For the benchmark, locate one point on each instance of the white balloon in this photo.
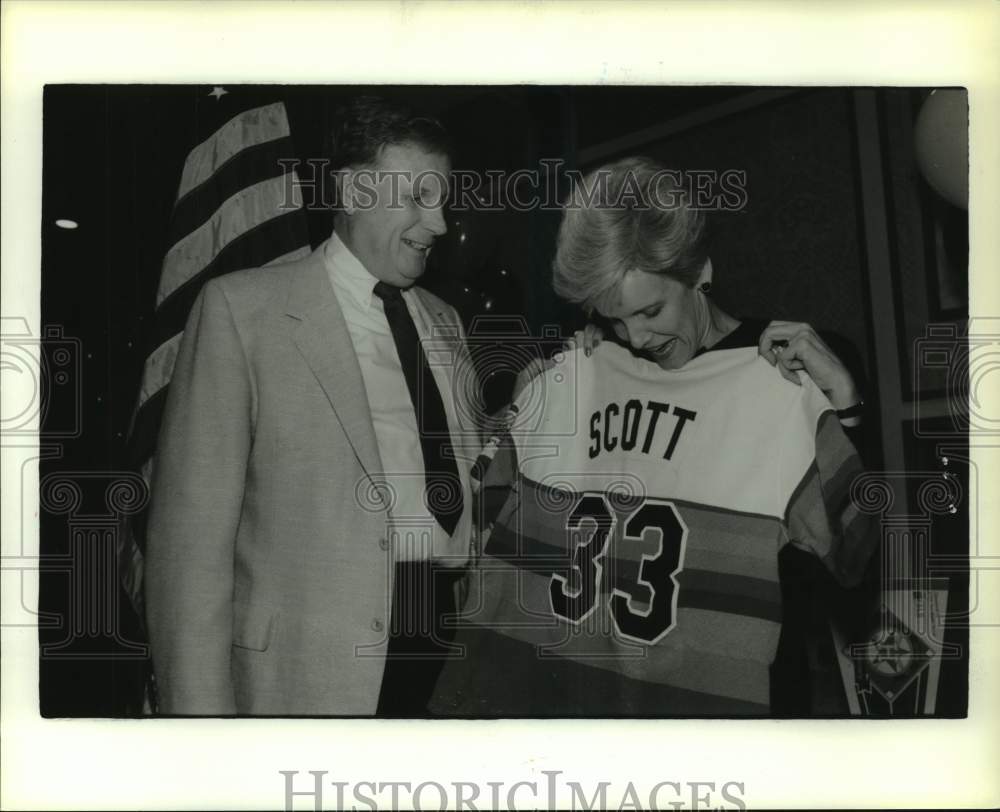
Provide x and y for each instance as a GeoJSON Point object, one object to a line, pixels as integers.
{"type": "Point", "coordinates": [941, 144]}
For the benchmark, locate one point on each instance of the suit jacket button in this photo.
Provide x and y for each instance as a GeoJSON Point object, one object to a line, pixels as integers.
{"type": "Point", "coordinates": [378, 625]}
{"type": "Point", "coordinates": [383, 543]}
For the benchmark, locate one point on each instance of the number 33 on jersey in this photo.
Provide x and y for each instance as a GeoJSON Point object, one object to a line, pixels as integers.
{"type": "Point", "coordinates": [644, 607]}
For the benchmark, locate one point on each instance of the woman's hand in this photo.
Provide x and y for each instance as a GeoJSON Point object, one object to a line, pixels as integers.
{"type": "Point", "coordinates": [793, 346]}
{"type": "Point", "coordinates": [588, 338]}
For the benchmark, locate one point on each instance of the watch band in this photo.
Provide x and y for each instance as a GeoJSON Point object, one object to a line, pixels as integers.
{"type": "Point", "coordinates": [851, 411]}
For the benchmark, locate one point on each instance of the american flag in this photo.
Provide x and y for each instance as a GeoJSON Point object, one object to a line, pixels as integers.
{"type": "Point", "coordinates": [237, 206]}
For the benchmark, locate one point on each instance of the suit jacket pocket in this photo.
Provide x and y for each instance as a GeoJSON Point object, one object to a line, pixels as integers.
{"type": "Point", "coordinates": [253, 627]}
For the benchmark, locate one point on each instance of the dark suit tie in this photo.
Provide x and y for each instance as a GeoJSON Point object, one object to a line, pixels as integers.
{"type": "Point", "coordinates": [442, 487]}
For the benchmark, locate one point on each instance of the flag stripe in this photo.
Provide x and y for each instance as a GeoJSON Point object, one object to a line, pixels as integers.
{"type": "Point", "coordinates": [233, 211]}
{"type": "Point", "coordinates": [250, 127]}
{"type": "Point", "coordinates": [253, 249]}
{"type": "Point", "coordinates": [258, 162]}
{"type": "Point", "coordinates": [240, 213]}
{"type": "Point", "coordinates": [145, 427]}
{"type": "Point", "coordinates": [159, 366]}
{"type": "Point", "coordinates": [130, 556]}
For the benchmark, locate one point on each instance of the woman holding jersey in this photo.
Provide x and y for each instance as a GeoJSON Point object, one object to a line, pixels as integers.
{"type": "Point", "coordinates": [644, 274]}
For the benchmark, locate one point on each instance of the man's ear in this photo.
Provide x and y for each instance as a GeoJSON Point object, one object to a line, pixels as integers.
{"type": "Point", "coordinates": [347, 190]}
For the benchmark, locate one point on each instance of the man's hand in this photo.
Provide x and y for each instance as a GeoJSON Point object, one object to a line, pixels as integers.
{"type": "Point", "coordinates": [794, 346]}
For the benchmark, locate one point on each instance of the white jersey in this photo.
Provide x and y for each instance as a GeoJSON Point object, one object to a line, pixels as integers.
{"type": "Point", "coordinates": [633, 565]}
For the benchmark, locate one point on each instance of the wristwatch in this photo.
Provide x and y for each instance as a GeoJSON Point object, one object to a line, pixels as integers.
{"type": "Point", "coordinates": [851, 411]}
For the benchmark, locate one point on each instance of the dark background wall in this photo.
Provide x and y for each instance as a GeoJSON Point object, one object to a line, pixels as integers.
{"type": "Point", "coordinates": [800, 249]}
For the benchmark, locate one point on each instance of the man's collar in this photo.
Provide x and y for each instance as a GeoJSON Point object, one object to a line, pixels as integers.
{"type": "Point", "coordinates": [348, 271]}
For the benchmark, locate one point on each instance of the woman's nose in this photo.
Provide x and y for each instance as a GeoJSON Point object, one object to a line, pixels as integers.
{"type": "Point", "coordinates": [636, 334]}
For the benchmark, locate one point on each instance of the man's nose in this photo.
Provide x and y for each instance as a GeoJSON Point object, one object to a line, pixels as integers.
{"type": "Point", "coordinates": [434, 221]}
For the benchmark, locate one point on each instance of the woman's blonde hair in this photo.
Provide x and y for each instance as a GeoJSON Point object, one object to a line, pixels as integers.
{"type": "Point", "coordinates": [632, 214]}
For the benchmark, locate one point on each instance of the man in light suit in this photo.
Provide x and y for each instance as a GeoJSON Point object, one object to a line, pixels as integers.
{"type": "Point", "coordinates": [309, 481]}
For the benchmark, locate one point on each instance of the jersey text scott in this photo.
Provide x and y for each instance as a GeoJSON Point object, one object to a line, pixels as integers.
{"type": "Point", "coordinates": [634, 427]}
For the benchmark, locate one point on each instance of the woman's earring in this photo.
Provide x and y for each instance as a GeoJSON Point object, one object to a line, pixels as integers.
{"type": "Point", "coordinates": [705, 287]}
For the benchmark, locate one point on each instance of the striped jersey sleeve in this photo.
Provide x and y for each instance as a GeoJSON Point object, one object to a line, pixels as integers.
{"type": "Point", "coordinates": [822, 516]}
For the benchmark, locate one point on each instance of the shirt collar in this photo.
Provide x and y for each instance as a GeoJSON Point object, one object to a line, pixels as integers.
{"type": "Point", "coordinates": [347, 273]}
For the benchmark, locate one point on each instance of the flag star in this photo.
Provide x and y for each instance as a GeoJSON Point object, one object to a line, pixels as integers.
{"type": "Point", "coordinates": [218, 92]}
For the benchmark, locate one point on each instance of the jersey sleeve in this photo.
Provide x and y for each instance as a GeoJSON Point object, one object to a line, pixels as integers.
{"type": "Point", "coordinates": [821, 516]}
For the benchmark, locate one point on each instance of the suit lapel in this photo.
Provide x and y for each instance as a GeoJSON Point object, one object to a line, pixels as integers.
{"type": "Point", "coordinates": [322, 337]}
{"type": "Point", "coordinates": [462, 384]}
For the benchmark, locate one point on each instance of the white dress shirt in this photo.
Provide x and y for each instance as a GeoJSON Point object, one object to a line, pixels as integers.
{"type": "Point", "coordinates": [416, 534]}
